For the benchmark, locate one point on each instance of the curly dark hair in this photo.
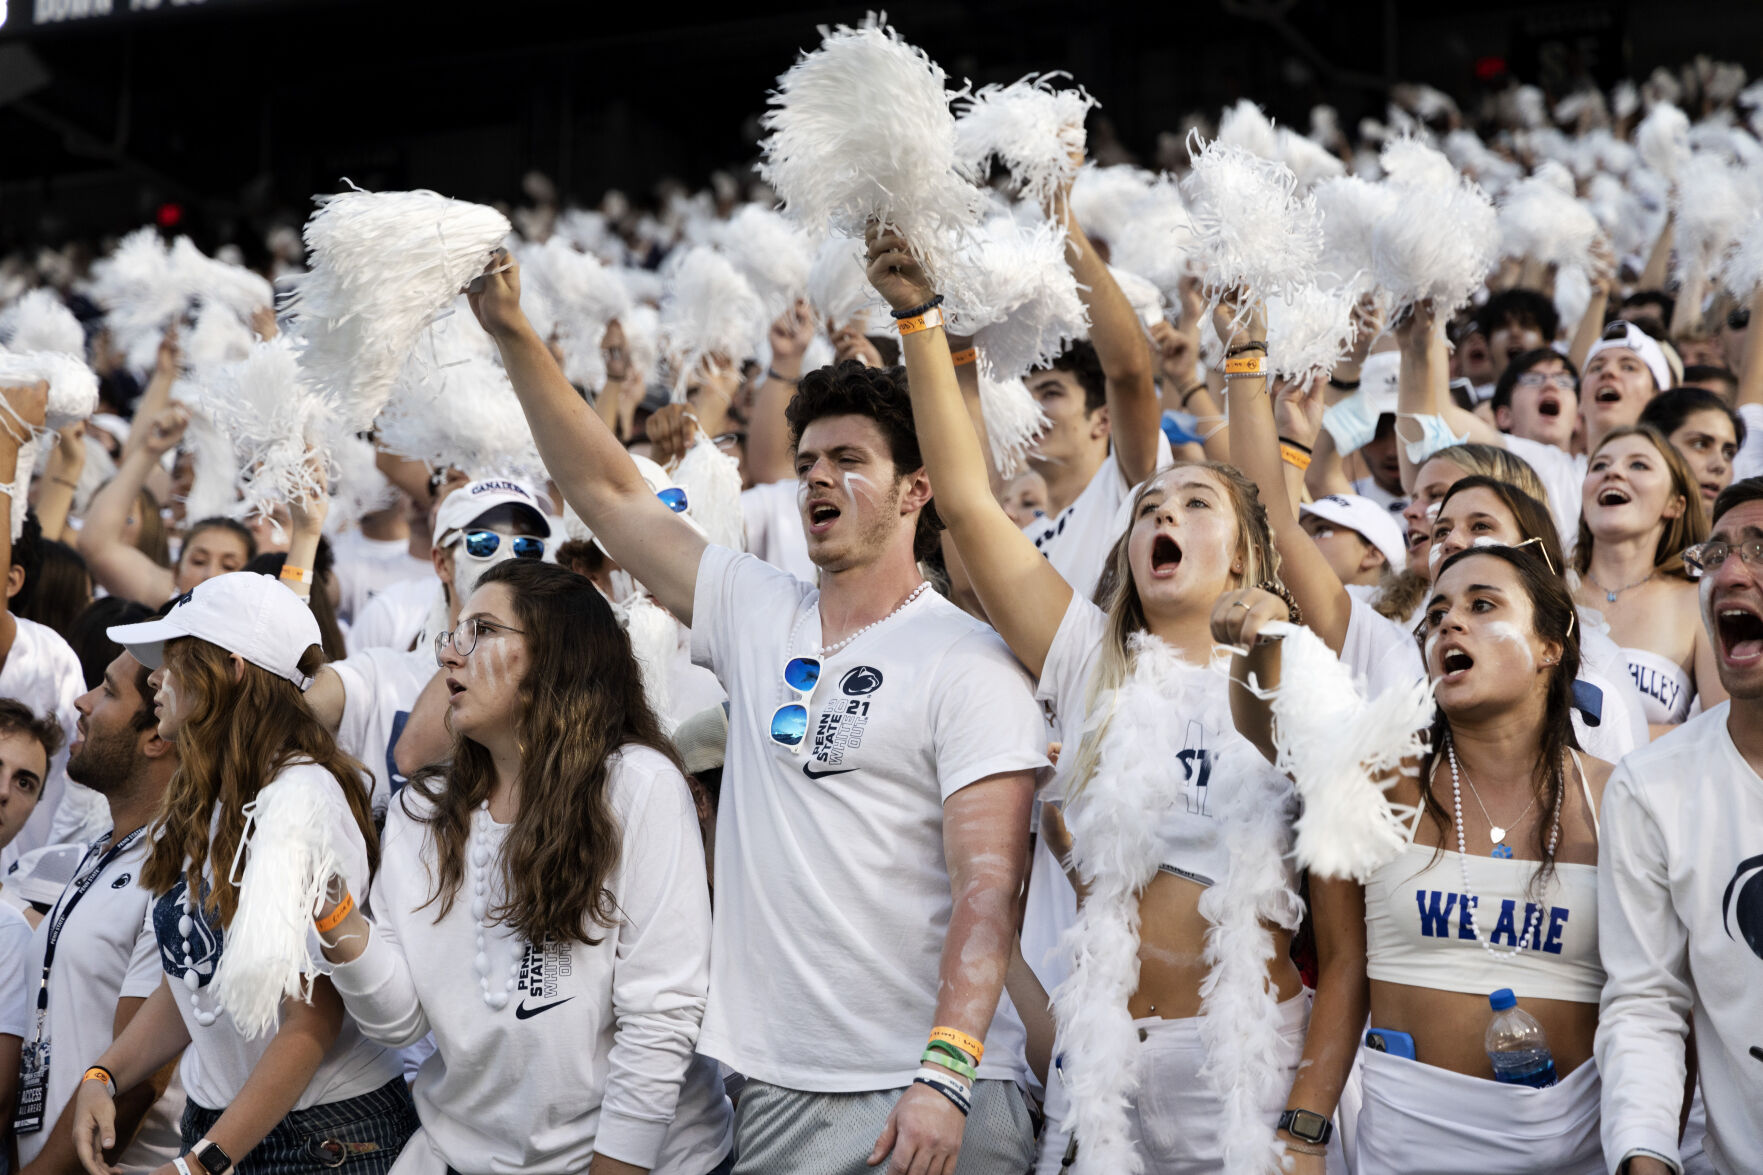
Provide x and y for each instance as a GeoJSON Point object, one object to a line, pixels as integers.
{"type": "Point", "coordinates": [1520, 307]}
{"type": "Point", "coordinates": [18, 718]}
{"type": "Point", "coordinates": [1082, 363]}
{"type": "Point", "coordinates": [851, 389]}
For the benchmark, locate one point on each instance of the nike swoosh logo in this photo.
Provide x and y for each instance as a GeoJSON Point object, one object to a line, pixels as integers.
{"type": "Point", "coordinates": [811, 773]}
{"type": "Point", "coordinates": [525, 1013]}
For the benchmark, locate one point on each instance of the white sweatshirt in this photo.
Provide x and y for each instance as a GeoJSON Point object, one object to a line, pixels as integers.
{"type": "Point", "coordinates": [1680, 929]}
{"type": "Point", "coordinates": [594, 1049]}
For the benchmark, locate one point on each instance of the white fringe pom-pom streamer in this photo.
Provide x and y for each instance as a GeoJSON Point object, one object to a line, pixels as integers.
{"type": "Point", "coordinates": [1351, 208]}
{"type": "Point", "coordinates": [1309, 161]}
{"type": "Point", "coordinates": [357, 487]}
{"type": "Point", "coordinates": [1146, 298]}
{"type": "Point", "coordinates": [770, 252]}
{"type": "Point", "coordinates": [1106, 200]}
{"type": "Point", "coordinates": [1245, 125]}
{"type": "Point", "coordinates": [1157, 240]}
{"type": "Point", "coordinates": [1337, 745]}
{"type": "Point", "coordinates": [712, 481]}
{"type": "Point", "coordinates": [217, 338]}
{"type": "Point", "coordinates": [1309, 332]}
{"type": "Point", "coordinates": [1250, 226]}
{"type": "Point", "coordinates": [1034, 130]}
{"type": "Point", "coordinates": [1021, 306]}
{"type": "Point", "coordinates": [208, 281]}
{"type": "Point", "coordinates": [1743, 271]}
{"type": "Point", "coordinates": [140, 295]}
{"type": "Point", "coordinates": [274, 419]}
{"type": "Point", "coordinates": [838, 282]}
{"type": "Point", "coordinates": [40, 321]}
{"type": "Point", "coordinates": [1439, 238]}
{"type": "Point", "coordinates": [1663, 139]}
{"type": "Point", "coordinates": [581, 297]}
{"type": "Point", "coordinates": [1710, 200]}
{"type": "Point", "coordinates": [1013, 420]}
{"type": "Point", "coordinates": [291, 854]}
{"type": "Point", "coordinates": [861, 130]}
{"type": "Point", "coordinates": [215, 465]}
{"type": "Point", "coordinates": [384, 265]}
{"type": "Point", "coordinates": [654, 637]}
{"type": "Point", "coordinates": [1542, 223]}
{"type": "Point", "coordinates": [711, 313]}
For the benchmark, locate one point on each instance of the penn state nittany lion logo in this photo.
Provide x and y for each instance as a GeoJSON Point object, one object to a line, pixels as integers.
{"type": "Point", "coordinates": [205, 938]}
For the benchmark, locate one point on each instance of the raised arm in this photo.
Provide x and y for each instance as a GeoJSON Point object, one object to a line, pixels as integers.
{"type": "Point", "coordinates": [1022, 594]}
{"type": "Point", "coordinates": [157, 396]}
{"type": "Point", "coordinates": [55, 496]}
{"type": "Point", "coordinates": [118, 566]}
{"type": "Point", "coordinates": [590, 466]}
{"type": "Point", "coordinates": [25, 408]}
{"type": "Point", "coordinates": [1591, 324]}
{"type": "Point", "coordinates": [770, 456]}
{"type": "Point", "coordinates": [1423, 387]}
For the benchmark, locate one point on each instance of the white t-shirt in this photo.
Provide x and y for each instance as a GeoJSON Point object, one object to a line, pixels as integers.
{"type": "Point", "coordinates": [394, 618]}
{"type": "Point", "coordinates": [774, 528]}
{"type": "Point", "coordinates": [1379, 651]}
{"type": "Point", "coordinates": [104, 953]}
{"type": "Point", "coordinates": [1562, 474]}
{"type": "Point", "coordinates": [365, 567]}
{"type": "Point", "coordinates": [1077, 540]}
{"type": "Point", "coordinates": [1680, 930]}
{"type": "Point", "coordinates": [15, 973]}
{"type": "Point", "coordinates": [594, 1049]}
{"type": "Point", "coordinates": [380, 685]}
{"type": "Point", "coordinates": [44, 673]}
{"type": "Point", "coordinates": [220, 1058]}
{"type": "Point", "coordinates": [1748, 462]}
{"type": "Point", "coordinates": [832, 891]}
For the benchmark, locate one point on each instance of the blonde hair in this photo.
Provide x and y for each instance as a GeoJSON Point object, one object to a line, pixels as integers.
{"type": "Point", "coordinates": [1497, 463]}
{"type": "Point", "coordinates": [1118, 597]}
{"type": "Point", "coordinates": [1687, 529]}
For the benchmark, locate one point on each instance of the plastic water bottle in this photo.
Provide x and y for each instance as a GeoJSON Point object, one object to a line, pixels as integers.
{"type": "Point", "coordinates": [1516, 1045]}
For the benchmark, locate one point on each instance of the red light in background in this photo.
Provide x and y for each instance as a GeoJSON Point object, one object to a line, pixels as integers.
{"type": "Point", "coordinates": [169, 215]}
{"type": "Point", "coordinates": [1488, 69]}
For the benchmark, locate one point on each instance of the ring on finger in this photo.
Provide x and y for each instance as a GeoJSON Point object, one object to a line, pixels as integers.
{"type": "Point", "coordinates": [1243, 604]}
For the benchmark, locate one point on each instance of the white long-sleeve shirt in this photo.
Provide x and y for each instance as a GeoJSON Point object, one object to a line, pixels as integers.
{"type": "Point", "coordinates": [594, 1049]}
{"type": "Point", "coordinates": [1680, 929]}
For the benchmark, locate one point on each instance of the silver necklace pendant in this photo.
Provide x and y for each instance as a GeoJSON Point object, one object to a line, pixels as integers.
{"type": "Point", "coordinates": [1496, 834]}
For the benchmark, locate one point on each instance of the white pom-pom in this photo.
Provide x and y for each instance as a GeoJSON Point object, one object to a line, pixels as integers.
{"type": "Point", "coordinates": [1106, 200]}
{"type": "Point", "coordinates": [1743, 272]}
{"type": "Point", "coordinates": [1032, 129]}
{"type": "Point", "coordinates": [384, 264]}
{"type": "Point", "coordinates": [1630, 225]}
{"type": "Point", "coordinates": [642, 337]}
{"type": "Point", "coordinates": [1250, 226]}
{"type": "Point", "coordinates": [581, 297]}
{"type": "Point", "coordinates": [1540, 222]}
{"type": "Point", "coordinates": [207, 281]}
{"type": "Point", "coordinates": [139, 293]}
{"type": "Point", "coordinates": [710, 313]}
{"type": "Point", "coordinates": [591, 233]}
{"type": "Point", "coordinates": [1146, 298]}
{"type": "Point", "coordinates": [770, 253]}
{"type": "Point", "coordinates": [1013, 421]}
{"type": "Point", "coordinates": [1244, 125]}
{"type": "Point", "coordinates": [290, 855]}
{"type": "Point", "coordinates": [453, 406]}
{"type": "Point", "coordinates": [357, 486]}
{"type": "Point", "coordinates": [73, 388]}
{"type": "Point", "coordinates": [1309, 331]}
{"type": "Point", "coordinates": [1337, 746]}
{"type": "Point", "coordinates": [861, 130]}
{"type": "Point", "coordinates": [712, 481]}
{"type": "Point", "coordinates": [1493, 172]}
{"type": "Point", "coordinates": [838, 282]}
{"type": "Point", "coordinates": [40, 321]}
{"type": "Point", "coordinates": [213, 489]}
{"type": "Point", "coordinates": [1021, 303]}
{"type": "Point", "coordinates": [1157, 240]}
{"type": "Point", "coordinates": [273, 417]}
{"type": "Point", "coordinates": [1351, 208]}
{"type": "Point", "coordinates": [1440, 237]}
{"type": "Point", "coordinates": [1309, 161]}
{"type": "Point", "coordinates": [1663, 139]}
{"type": "Point", "coordinates": [1710, 200]}
{"type": "Point", "coordinates": [217, 338]}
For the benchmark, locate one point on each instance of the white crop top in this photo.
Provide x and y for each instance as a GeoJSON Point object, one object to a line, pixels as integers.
{"type": "Point", "coordinates": [1663, 685]}
{"type": "Point", "coordinates": [1417, 924]}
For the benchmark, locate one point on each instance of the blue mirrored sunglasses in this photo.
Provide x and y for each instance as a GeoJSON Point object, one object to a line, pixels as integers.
{"type": "Point", "coordinates": [481, 544]}
{"type": "Point", "coordinates": [674, 499]}
{"type": "Point", "coordinates": [789, 722]}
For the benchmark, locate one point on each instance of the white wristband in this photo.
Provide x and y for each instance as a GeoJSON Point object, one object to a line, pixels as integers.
{"type": "Point", "coordinates": [183, 1167]}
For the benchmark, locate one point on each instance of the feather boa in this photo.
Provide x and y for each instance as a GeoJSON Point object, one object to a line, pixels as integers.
{"type": "Point", "coordinates": [1013, 420]}
{"type": "Point", "coordinates": [860, 129]}
{"type": "Point", "coordinates": [712, 481]}
{"type": "Point", "coordinates": [384, 265]}
{"type": "Point", "coordinates": [1116, 847]}
{"type": "Point", "coordinates": [1411, 257]}
{"type": "Point", "coordinates": [1022, 306]}
{"type": "Point", "coordinates": [1035, 131]}
{"type": "Point", "coordinates": [1250, 226]}
{"type": "Point", "coordinates": [292, 857]}
{"type": "Point", "coordinates": [40, 321]}
{"type": "Point", "coordinates": [1335, 744]}
{"type": "Point", "coordinates": [770, 252]}
{"type": "Point", "coordinates": [711, 314]}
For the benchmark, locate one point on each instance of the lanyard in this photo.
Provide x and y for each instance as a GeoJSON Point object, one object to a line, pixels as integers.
{"type": "Point", "coordinates": [75, 891]}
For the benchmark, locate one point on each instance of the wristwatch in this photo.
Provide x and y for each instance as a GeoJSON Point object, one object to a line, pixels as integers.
{"type": "Point", "coordinates": [1306, 1126]}
{"type": "Point", "coordinates": [214, 1160]}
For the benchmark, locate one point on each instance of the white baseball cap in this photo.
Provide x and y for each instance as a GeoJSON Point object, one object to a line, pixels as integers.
{"type": "Point", "coordinates": [1631, 337]}
{"type": "Point", "coordinates": [474, 499]}
{"type": "Point", "coordinates": [1366, 518]}
{"type": "Point", "coordinates": [660, 483]}
{"type": "Point", "coordinates": [243, 612]}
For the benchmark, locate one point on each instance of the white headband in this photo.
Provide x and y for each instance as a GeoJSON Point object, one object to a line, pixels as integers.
{"type": "Point", "coordinates": [1642, 344]}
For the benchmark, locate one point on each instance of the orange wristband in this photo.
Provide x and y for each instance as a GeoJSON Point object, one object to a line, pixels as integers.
{"type": "Point", "coordinates": [100, 1073]}
{"type": "Point", "coordinates": [335, 918]}
{"type": "Point", "coordinates": [1246, 365]}
{"type": "Point", "coordinates": [911, 326]}
{"type": "Point", "coordinates": [1294, 456]}
{"type": "Point", "coordinates": [963, 358]}
{"type": "Point", "coordinates": [967, 1044]}
{"type": "Point", "coordinates": [295, 574]}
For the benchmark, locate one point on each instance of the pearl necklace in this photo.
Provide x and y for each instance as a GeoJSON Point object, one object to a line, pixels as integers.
{"type": "Point", "coordinates": [480, 909]}
{"type": "Point", "coordinates": [192, 980]}
{"type": "Point", "coordinates": [829, 650]}
{"type": "Point", "coordinates": [1533, 924]}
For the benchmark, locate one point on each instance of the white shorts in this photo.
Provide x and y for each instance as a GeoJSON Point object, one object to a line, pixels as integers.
{"type": "Point", "coordinates": [1422, 1120]}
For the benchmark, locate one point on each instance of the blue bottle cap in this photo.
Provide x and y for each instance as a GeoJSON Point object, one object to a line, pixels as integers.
{"type": "Point", "coordinates": [1500, 1000]}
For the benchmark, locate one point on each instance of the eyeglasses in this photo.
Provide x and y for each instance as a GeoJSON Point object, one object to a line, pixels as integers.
{"type": "Point", "coordinates": [674, 499]}
{"type": "Point", "coordinates": [789, 722]}
{"type": "Point", "coordinates": [464, 638]}
{"type": "Point", "coordinates": [1707, 557]}
{"type": "Point", "coordinates": [1537, 379]}
{"type": "Point", "coordinates": [481, 544]}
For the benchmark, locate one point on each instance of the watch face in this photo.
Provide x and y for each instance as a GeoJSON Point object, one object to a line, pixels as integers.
{"type": "Point", "coordinates": [212, 1158]}
{"type": "Point", "coordinates": [1308, 1126]}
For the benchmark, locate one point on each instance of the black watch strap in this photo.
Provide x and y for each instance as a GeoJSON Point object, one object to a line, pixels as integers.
{"type": "Point", "coordinates": [214, 1160]}
{"type": "Point", "coordinates": [1307, 1125]}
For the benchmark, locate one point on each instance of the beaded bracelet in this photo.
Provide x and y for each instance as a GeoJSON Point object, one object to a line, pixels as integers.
{"type": "Point", "coordinates": [936, 300]}
{"type": "Point", "coordinates": [1244, 348]}
{"type": "Point", "coordinates": [1285, 594]}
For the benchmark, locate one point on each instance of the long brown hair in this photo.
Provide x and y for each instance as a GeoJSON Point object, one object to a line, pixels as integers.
{"type": "Point", "coordinates": [1686, 530]}
{"type": "Point", "coordinates": [239, 736]}
{"type": "Point", "coordinates": [580, 702]}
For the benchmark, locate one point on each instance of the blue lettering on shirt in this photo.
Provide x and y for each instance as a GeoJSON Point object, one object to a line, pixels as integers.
{"type": "Point", "coordinates": [1557, 921]}
{"type": "Point", "coordinates": [1434, 921]}
{"type": "Point", "coordinates": [1659, 686]}
{"type": "Point", "coordinates": [1505, 925]}
{"type": "Point", "coordinates": [1435, 908]}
